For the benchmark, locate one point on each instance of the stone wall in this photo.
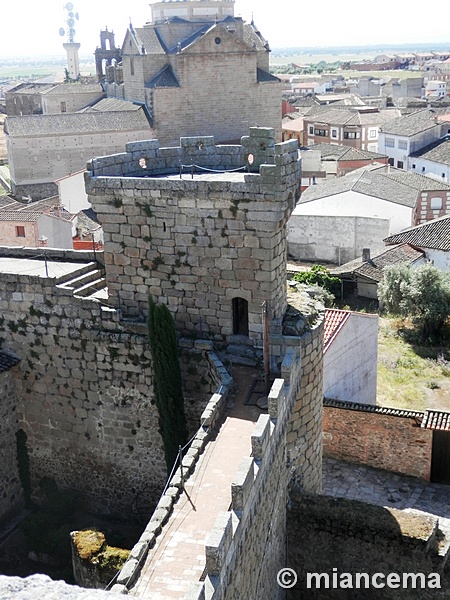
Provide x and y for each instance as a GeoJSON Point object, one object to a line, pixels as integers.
{"type": "Point", "coordinates": [247, 546]}
{"type": "Point", "coordinates": [11, 495]}
{"type": "Point", "coordinates": [389, 439]}
{"type": "Point", "coordinates": [198, 244]}
{"type": "Point", "coordinates": [304, 430]}
{"type": "Point", "coordinates": [84, 394]}
{"type": "Point", "coordinates": [337, 536]}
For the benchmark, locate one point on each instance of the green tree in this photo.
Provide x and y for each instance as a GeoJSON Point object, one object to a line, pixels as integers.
{"type": "Point", "coordinates": [167, 380]}
{"type": "Point", "coordinates": [423, 294]}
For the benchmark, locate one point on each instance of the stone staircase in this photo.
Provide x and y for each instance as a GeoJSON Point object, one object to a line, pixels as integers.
{"type": "Point", "coordinates": [241, 351]}
{"type": "Point", "coordinates": [86, 282]}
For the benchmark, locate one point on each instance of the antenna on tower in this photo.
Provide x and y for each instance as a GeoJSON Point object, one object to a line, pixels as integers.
{"type": "Point", "coordinates": [70, 22]}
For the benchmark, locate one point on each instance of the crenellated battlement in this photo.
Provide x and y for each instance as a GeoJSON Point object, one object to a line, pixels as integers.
{"type": "Point", "coordinates": [200, 226]}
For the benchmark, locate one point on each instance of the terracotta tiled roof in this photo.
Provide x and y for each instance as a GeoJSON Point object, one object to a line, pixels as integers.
{"type": "Point", "coordinates": [7, 360]}
{"type": "Point", "coordinates": [433, 234]}
{"type": "Point", "coordinates": [436, 419]}
{"type": "Point", "coordinates": [382, 410]}
{"type": "Point", "coordinates": [334, 321]}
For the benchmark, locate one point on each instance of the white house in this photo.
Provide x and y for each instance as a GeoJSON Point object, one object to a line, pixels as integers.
{"type": "Point", "coordinates": [432, 237]}
{"type": "Point", "coordinates": [334, 220]}
{"type": "Point", "coordinates": [433, 160]}
{"type": "Point", "coordinates": [401, 137]}
{"type": "Point", "coordinates": [350, 356]}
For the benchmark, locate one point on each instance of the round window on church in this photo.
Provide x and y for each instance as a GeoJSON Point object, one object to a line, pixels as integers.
{"type": "Point", "coordinates": [218, 40]}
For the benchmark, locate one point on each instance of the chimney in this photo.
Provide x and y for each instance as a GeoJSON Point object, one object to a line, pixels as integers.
{"type": "Point", "coordinates": [366, 254]}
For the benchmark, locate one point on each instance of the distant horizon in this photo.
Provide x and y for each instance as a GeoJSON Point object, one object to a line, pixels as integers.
{"type": "Point", "coordinates": [32, 26]}
{"type": "Point", "coordinates": [437, 46]}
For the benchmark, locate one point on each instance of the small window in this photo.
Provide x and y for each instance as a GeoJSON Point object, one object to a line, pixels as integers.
{"type": "Point", "coordinates": [351, 135]}
{"type": "Point", "coordinates": [399, 164]}
{"type": "Point", "coordinates": [391, 162]}
{"type": "Point", "coordinates": [63, 107]}
{"type": "Point", "coordinates": [132, 66]}
{"type": "Point", "coordinates": [423, 169]}
{"type": "Point", "coordinates": [20, 231]}
{"type": "Point", "coordinates": [402, 145]}
{"type": "Point", "coordinates": [321, 132]}
{"type": "Point", "coordinates": [413, 165]}
{"type": "Point", "coordinates": [436, 203]}
{"type": "Point", "coordinates": [373, 133]}
{"type": "Point", "coordinates": [311, 130]}
{"type": "Point", "coordinates": [334, 133]}
{"type": "Point", "coordinates": [390, 143]}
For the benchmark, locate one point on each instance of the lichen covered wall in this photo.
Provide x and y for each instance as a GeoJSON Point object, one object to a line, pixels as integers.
{"type": "Point", "coordinates": [11, 494]}
{"type": "Point", "coordinates": [84, 391]}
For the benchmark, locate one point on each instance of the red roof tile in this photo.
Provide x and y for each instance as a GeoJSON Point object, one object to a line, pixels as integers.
{"type": "Point", "coordinates": [436, 419]}
{"type": "Point", "coordinates": [334, 321]}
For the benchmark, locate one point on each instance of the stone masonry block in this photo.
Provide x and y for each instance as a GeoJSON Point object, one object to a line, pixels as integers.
{"type": "Point", "coordinates": [260, 436]}
{"type": "Point", "coordinates": [218, 543]}
{"type": "Point", "coordinates": [276, 398]}
{"type": "Point", "coordinates": [242, 484]}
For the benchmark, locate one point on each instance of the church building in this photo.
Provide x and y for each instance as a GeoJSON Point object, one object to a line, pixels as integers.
{"type": "Point", "coordinates": [195, 69]}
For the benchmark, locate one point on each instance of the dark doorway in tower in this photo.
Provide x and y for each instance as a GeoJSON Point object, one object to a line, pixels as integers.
{"type": "Point", "coordinates": [240, 316]}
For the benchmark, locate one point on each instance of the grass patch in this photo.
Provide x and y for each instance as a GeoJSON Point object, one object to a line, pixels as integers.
{"type": "Point", "coordinates": [408, 372]}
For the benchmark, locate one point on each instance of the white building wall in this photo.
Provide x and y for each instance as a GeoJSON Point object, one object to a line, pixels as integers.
{"type": "Point", "coordinates": [350, 363]}
{"type": "Point", "coordinates": [58, 232]}
{"type": "Point", "coordinates": [72, 193]}
{"type": "Point", "coordinates": [334, 239]}
{"type": "Point", "coordinates": [430, 168]}
{"type": "Point", "coordinates": [355, 204]}
{"type": "Point", "coordinates": [440, 258]}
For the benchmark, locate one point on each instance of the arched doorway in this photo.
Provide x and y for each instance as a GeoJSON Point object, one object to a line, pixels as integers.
{"type": "Point", "coordinates": [240, 316]}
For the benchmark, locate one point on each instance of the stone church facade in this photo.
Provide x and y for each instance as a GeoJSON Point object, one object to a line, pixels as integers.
{"type": "Point", "coordinates": [196, 69]}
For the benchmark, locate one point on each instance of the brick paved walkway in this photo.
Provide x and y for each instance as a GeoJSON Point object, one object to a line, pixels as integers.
{"type": "Point", "coordinates": [178, 559]}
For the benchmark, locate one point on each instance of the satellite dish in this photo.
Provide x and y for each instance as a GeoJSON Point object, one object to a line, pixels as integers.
{"type": "Point", "coordinates": [62, 31]}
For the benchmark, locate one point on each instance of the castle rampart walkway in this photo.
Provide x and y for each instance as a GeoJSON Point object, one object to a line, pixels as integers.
{"type": "Point", "coordinates": [177, 560]}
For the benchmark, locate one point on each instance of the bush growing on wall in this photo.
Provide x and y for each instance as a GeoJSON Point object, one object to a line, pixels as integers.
{"type": "Point", "coordinates": [167, 379]}
{"type": "Point", "coordinates": [319, 275]}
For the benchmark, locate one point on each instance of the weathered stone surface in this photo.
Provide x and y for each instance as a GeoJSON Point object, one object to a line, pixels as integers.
{"type": "Point", "coordinates": [41, 586]}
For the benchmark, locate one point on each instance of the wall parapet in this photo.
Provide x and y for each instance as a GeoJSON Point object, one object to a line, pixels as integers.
{"type": "Point", "coordinates": [259, 489]}
{"type": "Point", "coordinates": [210, 419]}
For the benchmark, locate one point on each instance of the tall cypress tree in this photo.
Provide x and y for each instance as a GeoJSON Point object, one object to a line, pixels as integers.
{"type": "Point", "coordinates": [167, 379]}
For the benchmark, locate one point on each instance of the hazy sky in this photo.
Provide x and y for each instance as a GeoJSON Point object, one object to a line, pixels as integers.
{"type": "Point", "coordinates": [31, 26]}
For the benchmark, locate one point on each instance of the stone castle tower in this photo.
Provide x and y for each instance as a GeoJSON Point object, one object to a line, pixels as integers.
{"type": "Point", "coordinates": [200, 227]}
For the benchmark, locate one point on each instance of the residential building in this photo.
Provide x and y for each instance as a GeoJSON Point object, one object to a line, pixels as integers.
{"type": "Point", "coordinates": [433, 161]}
{"type": "Point", "coordinates": [334, 220]}
{"type": "Point", "coordinates": [435, 89]}
{"type": "Point", "coordinates": [36, 224]}
{"type": "Point", "coordinates": [365, 273]}
{"type": "Point", "coordinates": [292, 129]}
{"type": "Point", "coordinates": [357, 126]}
{"type": "Point", "coordinates": [410, 133]}
{"type": "Point", "coordinates": [432, 237]}
{"type": "Point", "coordinates": [337, 160]}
